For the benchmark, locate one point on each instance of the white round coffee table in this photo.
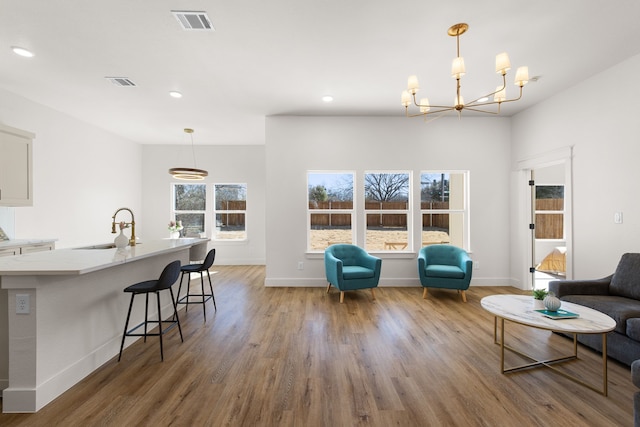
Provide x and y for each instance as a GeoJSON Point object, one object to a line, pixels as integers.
{"type": "Point", "coordinates": [519, 309]}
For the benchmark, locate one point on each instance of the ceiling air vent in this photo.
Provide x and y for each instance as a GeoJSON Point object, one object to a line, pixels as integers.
{"type": "Point", "coordinates": [121, 81]}
{"type": "Point", "coordinates": [192, 20]}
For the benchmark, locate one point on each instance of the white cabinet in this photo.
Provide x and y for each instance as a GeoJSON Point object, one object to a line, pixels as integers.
{"type": "Point", "coordinates": [9, 252]}
{"type": "Point", "coordinates": [24, 247]}
{"type": "Point", "coordinates": [16, 173]}
{"type": "Point", "coordinates": [37, 247]}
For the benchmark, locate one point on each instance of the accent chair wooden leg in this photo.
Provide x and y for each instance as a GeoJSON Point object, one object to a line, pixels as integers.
{"type": "Point", "coordinates": [373, 293]}
{"type": "Point", "coordinates": [328, 287]}
{"type": "Point", "coordinates": [424, 293]}
{"type": "Point", "coordinates": [341, 297]}
{"type": "Point", "coordinates": [464, 296]}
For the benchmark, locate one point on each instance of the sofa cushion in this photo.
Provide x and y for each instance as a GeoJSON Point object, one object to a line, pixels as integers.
{"type": "Point", "coordinates": [448, 271]}
{"type": "Point", "coordinates": [619, 308]}
{"type": "Point", "coordinates": [626, 280]}
{"type": "Point", "coordinates": [633, 328]}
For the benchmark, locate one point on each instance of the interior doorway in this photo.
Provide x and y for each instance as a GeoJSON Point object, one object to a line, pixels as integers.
{"type": "Point", "coordinates": [548, 245]}
{"type": "Point", "coordinates": [549, 234]}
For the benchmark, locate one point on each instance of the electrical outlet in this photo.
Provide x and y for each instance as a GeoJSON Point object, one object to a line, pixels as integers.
{"type": "Point", "coordinates": [476, 265]}
{"type": "Point", "coordinates": [300, 265]}
{"type": "Point", "coordinates": [22, 304]}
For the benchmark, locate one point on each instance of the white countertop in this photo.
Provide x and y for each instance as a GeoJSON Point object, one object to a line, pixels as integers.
{"type": "Point", "coordinates": [82, 261]}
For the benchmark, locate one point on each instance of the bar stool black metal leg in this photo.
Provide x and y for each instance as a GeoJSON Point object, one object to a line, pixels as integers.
{"type": "Point", "coordinates": [159, 325]}
{"type": "Point", "coordinates": [212, 296]}
{"type": "Point", "coordinates": [175, 314]}
{"type": "Point", "coordinates": [204, 305]}
{"type": "Point", "coordinates": [146, 315]}
{"type": "Point", "coordinates": [126, 325]}
{"type": "Point", "coordinates": [180, 286]}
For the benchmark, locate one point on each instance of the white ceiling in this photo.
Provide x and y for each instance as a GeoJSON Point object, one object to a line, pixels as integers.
{"type": "Point", "coordinates": [270, 57]}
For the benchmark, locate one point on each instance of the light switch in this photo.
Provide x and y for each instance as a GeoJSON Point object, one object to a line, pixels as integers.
{"type": "Point", "coordinates": [617, 217]}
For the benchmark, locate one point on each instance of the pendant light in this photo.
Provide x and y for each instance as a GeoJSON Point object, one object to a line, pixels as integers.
{"type": "Point", "coordinates": [189, 174]}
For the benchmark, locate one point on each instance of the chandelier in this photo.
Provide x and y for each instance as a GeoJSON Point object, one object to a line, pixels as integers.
{"type": "Point", "coordinates": [457, 71]}
{"type": "Point", "coordinates": [189, 174]}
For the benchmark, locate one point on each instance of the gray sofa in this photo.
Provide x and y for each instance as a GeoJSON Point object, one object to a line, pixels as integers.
{"type": "Point", "coordinates": [618, 296]}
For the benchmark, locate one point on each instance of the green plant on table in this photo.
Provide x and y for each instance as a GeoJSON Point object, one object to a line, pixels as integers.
{"type": "Point", "coordinates": [539, 293]}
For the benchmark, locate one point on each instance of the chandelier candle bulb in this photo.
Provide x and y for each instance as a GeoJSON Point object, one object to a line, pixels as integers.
{"type": "Point", "coordinates": [424, 105]}
{"type": "Point", "coordinates": [501, 94]}
{"type": "Point", "coordinates": [522, 76]}
{"type": "Point", "coordinates": [502, 63]}
{"type": "Point", "coordinates": [406, 98]}
{"type": "Point", "coordinates": [457, 68]}
{"type": "Point", "coordinates": [412, 85]}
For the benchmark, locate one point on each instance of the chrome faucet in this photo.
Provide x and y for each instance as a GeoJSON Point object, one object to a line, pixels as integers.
{"type": "Point", "coordinates": [132, 239]}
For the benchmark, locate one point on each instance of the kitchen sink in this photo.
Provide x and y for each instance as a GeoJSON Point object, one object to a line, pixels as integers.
{"type": "Point", "coordinates": [103, 246]}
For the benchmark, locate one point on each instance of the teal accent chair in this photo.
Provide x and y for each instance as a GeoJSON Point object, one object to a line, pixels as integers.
{"type": "Point", "coordinates": [349, 268]}
{"type": "Point", "coordinates": [446, 267]}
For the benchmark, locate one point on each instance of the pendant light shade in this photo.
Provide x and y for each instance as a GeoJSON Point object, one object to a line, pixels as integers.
{"type": "Point", "coordinates": [189, 174]}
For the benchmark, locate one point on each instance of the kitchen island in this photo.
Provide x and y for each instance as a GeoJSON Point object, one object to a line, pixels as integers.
{"type": "Point", "coordinates": [75, 313]}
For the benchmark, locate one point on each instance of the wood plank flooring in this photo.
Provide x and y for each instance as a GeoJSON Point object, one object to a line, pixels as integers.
{"type": "Point", "coordinates": [297, 357]}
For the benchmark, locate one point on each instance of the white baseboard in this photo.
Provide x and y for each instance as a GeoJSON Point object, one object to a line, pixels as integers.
{"type": "Point", "coordinates": [314, 282]}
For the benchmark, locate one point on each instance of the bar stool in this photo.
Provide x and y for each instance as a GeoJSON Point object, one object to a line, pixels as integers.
{"type": "Point", "coordinates": [168, 277]}
{"type": "Point", "coordinates": [203, 297]}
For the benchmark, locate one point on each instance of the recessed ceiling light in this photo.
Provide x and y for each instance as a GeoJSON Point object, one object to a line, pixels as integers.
{"type": "Point", "coordinates": [22, 51]}
{"type": "Point", "coordinates": [485, 99]}
{"type": "Point", "coordinates": [327, 98]}
{"type": "Point", "coordinates": [175, 94]}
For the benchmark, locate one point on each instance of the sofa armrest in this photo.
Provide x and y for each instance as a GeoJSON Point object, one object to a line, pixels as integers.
{"type": "Point", "coordinates": [635, 372]}
{"type": "Point", "coordinates": [580, 287]}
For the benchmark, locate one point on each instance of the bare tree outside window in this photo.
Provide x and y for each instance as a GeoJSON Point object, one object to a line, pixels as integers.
{"type": "Point", "coordinates": [443, 207]}
{"type": "Point", "coordinates": [386, 187]}
{"type": "Point", "coordinates": [329, 209]}
{"type": "Point", "coordinates": [189, 207]}
{"type": "Point", "coordinates": [387, 211]}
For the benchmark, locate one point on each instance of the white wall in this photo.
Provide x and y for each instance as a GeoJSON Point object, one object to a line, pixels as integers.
{"type": "Point", "coordinates": [295, 145]}
{"type": "Point", "coordinates": [225, 164]}
{"type": "Point", "coordinates": [81, 175]}
{"type": "Point", "coordinates": [602, 126]}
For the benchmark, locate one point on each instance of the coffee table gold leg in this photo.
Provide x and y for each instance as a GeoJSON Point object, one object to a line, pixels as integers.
{"type": "Point", "coordinates": [604, 364]}
{"type": "Point", "coordinates": [502, 345]}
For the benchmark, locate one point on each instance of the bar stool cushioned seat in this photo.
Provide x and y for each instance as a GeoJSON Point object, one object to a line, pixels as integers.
{"type": "Point", "coordinates": [168, 277]}
{"type": "Point", "coordinates": [202, 297]}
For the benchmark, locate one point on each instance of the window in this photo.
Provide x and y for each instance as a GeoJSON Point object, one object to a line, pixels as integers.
{"type": "Point", "coordinates": [443, 205]}
{"type": "Point", "coordinates": [549, 212]}
{"type": "Point", "coordinates": [329, 209]}
{"type": "Point", "coordinates": [230, 212]}
{"type": "Point", "coordinates": [387, 208]}
{"type": "Point", "coordinates": [189, 206]}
